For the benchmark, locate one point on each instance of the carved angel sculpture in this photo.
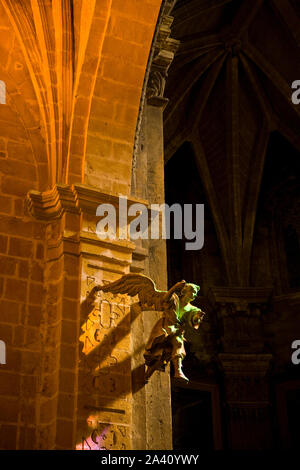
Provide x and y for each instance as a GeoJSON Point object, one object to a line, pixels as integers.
{"type": "Point", "coordinates": [166, 342]}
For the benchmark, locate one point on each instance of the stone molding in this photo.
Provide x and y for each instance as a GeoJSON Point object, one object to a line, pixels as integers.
{"type": "Point", "coordinates": [239, 300]}
{"type": "Point", "coordinates": [79, 198]}
{"type": "Point", "coordinates": [245, 364]}
{"type": "Point", "coordinates": [240, 296]}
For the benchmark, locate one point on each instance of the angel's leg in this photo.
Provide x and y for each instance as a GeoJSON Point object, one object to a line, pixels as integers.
{"type": "Point", "coordinates": [178, 354]}
{"type": "Point", "coordinates": [178, 373]}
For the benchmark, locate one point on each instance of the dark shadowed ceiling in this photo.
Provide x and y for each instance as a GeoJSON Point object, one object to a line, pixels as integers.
{"type": "Point", "coordinates": [229, 87]}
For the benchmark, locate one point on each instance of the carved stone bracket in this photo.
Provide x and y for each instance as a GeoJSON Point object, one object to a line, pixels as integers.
{"type": "Point", "coordinates": [163, 55]}
{"type": "Point", "coordinates": [250, 365]}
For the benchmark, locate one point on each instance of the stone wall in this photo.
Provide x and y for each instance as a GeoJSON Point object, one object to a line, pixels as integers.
{"type": "Point", "coordinates": [74, 73]}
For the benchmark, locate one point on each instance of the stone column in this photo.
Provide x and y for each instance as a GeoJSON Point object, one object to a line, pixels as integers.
{"type": "Point", "coordinates": [104, 413]}
{"type": "Point", "coordinates": [59, 326]}
{"type": "Point", "coordinates": [244, 365]}
{"type": "Point", "coordinates": [158, 399]}
{"type": "Point", "coordinates": [152, 414]}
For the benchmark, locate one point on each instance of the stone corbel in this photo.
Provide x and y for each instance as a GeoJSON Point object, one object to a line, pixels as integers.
{"type": "Point", "coordinates": [163, 55]}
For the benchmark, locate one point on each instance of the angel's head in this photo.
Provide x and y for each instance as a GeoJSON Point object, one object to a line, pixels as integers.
{"type": "Point", "coordinates": [189, 292]}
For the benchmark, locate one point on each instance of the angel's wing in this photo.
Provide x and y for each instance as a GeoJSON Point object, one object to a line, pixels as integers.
{"type": "Point", "coordinates": [137, 284]}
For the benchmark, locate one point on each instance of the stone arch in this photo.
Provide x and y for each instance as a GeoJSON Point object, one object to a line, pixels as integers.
{"type": "Point", "coordinates": [21, 111]}
{"type": "Point", "coordinates": [104, 122]}
{"type": "Point", "coordinates": [86, 61]}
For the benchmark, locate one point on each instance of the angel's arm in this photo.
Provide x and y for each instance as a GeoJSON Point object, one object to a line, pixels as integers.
{"type": "Point", "coordinates": [174, 289]}
{"type": "Point", "coordinates": [196, 318]}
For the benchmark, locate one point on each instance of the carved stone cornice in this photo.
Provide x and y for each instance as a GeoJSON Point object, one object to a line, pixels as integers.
{"type": "Point", "coordinates": [239, 296]}
{"type": "Point", "coordinates": [245, 364]}
{"type": "Point", "coordinates": [79, 198]}
{"type": "Point", "coordinates": [79, 234]}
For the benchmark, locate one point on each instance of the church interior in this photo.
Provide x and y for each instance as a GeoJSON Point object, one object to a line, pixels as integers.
{"type": "Point", "coordinates": [158, 102]}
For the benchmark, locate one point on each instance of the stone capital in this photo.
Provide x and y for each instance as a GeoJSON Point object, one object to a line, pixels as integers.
{"type": "Point", "coordinates": [240, 297]}
{"type": "Point", "coordinates": [79, 204]}
{"type": "Point", "coordinates": [78, 198]}
{"type": "Point", "coordinates": [238, 311]}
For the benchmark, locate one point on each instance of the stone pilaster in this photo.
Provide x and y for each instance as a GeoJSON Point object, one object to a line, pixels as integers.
{"type": "Point", "coordinates": [152, 416]}
{"type": "Point", "coordinates": [86, 393]}
{"type": "Point", "coordinates": [247, 409]}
